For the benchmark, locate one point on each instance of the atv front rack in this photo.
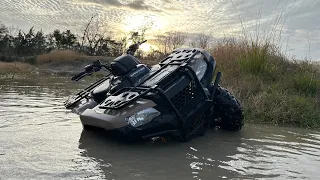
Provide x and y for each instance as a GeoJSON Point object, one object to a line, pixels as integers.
{"type": "Point", "coordinates": [127, 95]}
{"type": "Point", "coordinates": [85, 92]}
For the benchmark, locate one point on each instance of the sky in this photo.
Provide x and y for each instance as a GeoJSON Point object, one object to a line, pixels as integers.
{"type": "Point", "coordinates": [293, 24]}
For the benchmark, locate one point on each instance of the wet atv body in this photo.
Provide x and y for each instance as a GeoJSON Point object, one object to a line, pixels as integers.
{"type": "Point", "coordinates": [174, 98]}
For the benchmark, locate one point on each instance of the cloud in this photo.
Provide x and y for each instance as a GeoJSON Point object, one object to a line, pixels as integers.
{"type": "Point", "coordinates": [115, 3]}
{"type": "Point", "coordinates": [138, 5]}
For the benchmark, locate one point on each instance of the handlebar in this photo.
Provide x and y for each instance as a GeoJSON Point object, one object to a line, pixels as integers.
{"type": "Point", "coordinates": [79, 76]}
{"type": "Point", "coordinates": [96, 65]}
{"type": "Point", "coordinates": [89, 69]}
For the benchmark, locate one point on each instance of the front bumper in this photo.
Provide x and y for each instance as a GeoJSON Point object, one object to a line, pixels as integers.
{"type": "Point", "coordinates": [162, 125]}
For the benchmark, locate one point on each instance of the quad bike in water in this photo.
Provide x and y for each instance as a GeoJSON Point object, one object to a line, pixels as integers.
{"type": "Point", "coordinates": [175, 97]}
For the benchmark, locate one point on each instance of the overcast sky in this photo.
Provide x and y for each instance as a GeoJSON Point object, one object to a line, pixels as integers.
{"type": "Point", "coordinates": [299, 22]}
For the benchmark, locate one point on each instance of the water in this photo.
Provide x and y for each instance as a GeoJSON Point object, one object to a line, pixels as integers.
{"type": "Point", "coordinates": [39, 139]}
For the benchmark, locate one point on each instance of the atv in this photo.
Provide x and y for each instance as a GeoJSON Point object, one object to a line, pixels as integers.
{"type": "Point", "coordinates": [175, 97]}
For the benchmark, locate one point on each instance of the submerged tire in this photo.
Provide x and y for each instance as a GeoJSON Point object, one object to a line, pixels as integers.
{"type": "Point", "coordinates": [89, 128]}
{"type": "Point", "coordinates": [228, 109]}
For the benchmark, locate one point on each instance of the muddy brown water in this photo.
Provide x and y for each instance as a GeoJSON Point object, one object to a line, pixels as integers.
{"type": "Point", "coordinates": [39, 139]}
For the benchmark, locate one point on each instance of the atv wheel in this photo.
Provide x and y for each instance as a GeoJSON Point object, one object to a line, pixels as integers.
{"type": "Point", "coordinates": [200, 132]}
{"type": "Point", "coordinates": [228, 109]}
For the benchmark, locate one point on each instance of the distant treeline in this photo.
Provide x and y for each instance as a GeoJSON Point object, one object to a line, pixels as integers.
{"type": "Point", "coordinates": [34, 42]}
{"type": "Point", "coordinates": [93, 42]}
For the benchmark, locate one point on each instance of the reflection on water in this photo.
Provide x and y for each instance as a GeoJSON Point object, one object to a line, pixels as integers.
{"type": "Point", "coordinates": [39, 139]}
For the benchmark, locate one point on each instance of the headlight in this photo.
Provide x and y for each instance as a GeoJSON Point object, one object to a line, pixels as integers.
{"type": "Point", "coordinates": [142, 117]}
{"type": "Point", "coordinates": [199, 65]}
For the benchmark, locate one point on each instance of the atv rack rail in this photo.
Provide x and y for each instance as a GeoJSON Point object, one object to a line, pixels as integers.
{"type": "Point", "coordinates": [85, 92]}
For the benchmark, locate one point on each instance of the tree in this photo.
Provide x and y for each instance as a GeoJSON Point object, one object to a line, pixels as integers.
{"type": "Point", "coordinates": [163, 42]}
{"type": "Point", "coordinates": [39, 43]}
{"type": "Point", "coordinates": [57, 38]}
{"type": "Point", "coordinates": [3, 31]}
{"type": "Point", "coordinates": [6, 45]}
{"type": "Point", "coordinates": [171, 41]}
{"type": "Point", "coordinates": [176, 39]}
{"type": "Point", "coordinates": [96, 40]}
{"type": "Point", "coordinates": [50, 42]}
{"type": "Point", "coordinates": [203, 41]}
{"type": "Point", "coordinates": [3, 39]}
{"type": "Point", "coordinates": [68, 39]}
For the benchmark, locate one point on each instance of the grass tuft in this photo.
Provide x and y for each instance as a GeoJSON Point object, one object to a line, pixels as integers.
{"type": "Point", "coordinates": [255, 59]}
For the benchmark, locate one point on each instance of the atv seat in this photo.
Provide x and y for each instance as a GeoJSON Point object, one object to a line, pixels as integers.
{"type": "Point", "coordinates": [124, 64]}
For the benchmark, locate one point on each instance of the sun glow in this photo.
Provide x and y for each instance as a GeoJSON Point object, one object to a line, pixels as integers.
{"type": "Point", "coordinates": [151, 23]}
{"type": "Point", "coordinates": [145, 47]}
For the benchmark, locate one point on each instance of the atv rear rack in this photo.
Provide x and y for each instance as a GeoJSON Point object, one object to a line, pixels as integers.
{"type": "Point", "coordinates": [85, 92]}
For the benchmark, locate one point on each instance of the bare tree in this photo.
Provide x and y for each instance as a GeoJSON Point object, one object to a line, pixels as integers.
{"type": "Point", "coordinates": [203, 41]}
{"type": "Point", "coordinates": [192, 41]}
{"type": "Point", "coordinates": [171, 41]}
{"type": "Point", "coordinates": [85, 32]}
{"type": "Point", "coordinates": [176, 39]}
{"type": "Point", "coordinates": [94, 37]}
{"type": "Point", "coordinates": [199, 40]}
{"type": "Point", "coordinates": [163, 43]}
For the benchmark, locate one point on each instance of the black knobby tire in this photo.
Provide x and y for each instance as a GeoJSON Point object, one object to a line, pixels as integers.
{"type": "Point", "coordinates": [228, 109]}
{"type": "Point", "coordinates": [201, 132]}
{"type": "Point", "coordinates": [89, 128]}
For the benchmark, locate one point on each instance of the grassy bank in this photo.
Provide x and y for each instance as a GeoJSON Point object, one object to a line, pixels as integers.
{"type": "Point", "coordinates": [273, 89]}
